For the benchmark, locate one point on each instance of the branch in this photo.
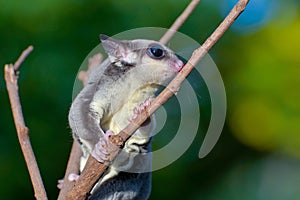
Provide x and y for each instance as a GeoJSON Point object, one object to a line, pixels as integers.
{"type": "Point", "coordinates": [11, 77]}
{"type": "Point", "coordinates": [72, 168]}
{"type": "Point", "coordinates": [94, 61]}
{"type": "Point", "coordinates": [74, 159]}
{"type": "Point", "coordinates": [93, 169]}
{"type": "Point", "coordinates": [179, 21]}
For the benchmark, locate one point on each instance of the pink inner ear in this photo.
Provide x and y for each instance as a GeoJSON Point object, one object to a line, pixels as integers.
{"type": "Point", "coordinates": [121, 52]}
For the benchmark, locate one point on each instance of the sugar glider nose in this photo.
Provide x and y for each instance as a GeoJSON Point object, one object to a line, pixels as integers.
{"type": "Point", "coordinates": [177, 65]}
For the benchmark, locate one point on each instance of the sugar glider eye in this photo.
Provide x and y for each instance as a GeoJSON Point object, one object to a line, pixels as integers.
{"type": "Point", "coordinates": [156, 52]}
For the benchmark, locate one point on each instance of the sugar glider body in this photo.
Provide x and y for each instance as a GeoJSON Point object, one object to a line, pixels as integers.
{"type": "Point", "coordinates": [115, 90]}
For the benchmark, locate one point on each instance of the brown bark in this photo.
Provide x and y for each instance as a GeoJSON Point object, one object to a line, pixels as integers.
{"type": "Point", "coordinates": [11, 72]}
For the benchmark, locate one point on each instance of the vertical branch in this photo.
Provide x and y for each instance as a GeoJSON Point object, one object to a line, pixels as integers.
{"type": "Point", "coordinates": [11, 78]}
{"type": "Point", "coordinates": [72, 167]}
{"type": "Point", "coordinates": [179, 21]}
{"type": "Point", "coordinates": [74, 159]}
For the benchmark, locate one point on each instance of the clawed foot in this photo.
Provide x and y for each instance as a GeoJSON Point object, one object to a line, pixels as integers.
{"type": "Point", "coordinates": [100, 152]}
{"type": "Point", "coordinates": [72, 177]}
{"type": "Point", "coordinates": [60, 184]}
{"type": "Point", "coordinates": [140, 109]}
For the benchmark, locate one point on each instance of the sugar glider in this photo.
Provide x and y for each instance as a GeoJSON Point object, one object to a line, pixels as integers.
{"type": "Point", "coordinates": [116, 91]}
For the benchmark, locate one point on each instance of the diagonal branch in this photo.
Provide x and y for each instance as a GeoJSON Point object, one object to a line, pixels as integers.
{"type": "Point", "coordinates": [179, 21]}
{"type": "Point", "coordinates": [93, 169]}
{"type": "Point", "coordinates": [11, 78]}
{"type": "Point", "coordinates": [22, 57]}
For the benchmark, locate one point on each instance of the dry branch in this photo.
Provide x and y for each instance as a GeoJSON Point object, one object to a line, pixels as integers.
{"type": "Point", "coordinates": [179, 21]}
{"type": "Point", "coordinates": [94, 169]}
{"type": "Point", "coordinates": [11, 77]}
{"type": "Point", "coordinates": [72, 167]}
{"type": "Point", "coordinates": [74, 159]}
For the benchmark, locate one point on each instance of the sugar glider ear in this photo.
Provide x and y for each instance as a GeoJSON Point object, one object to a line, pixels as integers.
{"type": "Point", "coordinates": [115, 49]}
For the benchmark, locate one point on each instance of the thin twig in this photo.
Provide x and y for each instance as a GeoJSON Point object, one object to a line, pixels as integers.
{"type": "Point", "coordinates": [179, 21]}
{"type": "Point", "coordinates": [22, 57]}
{"type": "Point", "coordinates": [84, 185]}
{"type": "Point", "coordinates": [11, 78]}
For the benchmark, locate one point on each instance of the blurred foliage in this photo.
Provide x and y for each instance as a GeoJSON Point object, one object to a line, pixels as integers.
{"type": "Point", "coordinates": [257, 156]}
{"type": "Point", "coordinates": [265, 92]}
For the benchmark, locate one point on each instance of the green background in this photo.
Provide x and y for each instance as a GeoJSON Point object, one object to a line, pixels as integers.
{"type": "Point", "coordinates": [257, 156]}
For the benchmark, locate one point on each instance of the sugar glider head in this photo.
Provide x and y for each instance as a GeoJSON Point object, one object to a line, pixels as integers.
{"type": "Point", "coordinates": [146, 60]}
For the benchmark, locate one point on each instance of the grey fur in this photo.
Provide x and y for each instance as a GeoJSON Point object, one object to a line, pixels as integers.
{"type": "Point", "coordinates": [129, 186]}
{"type": "Point", "coordinates": [114, 88]}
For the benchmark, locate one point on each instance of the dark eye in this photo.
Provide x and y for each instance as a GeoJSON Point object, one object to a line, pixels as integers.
{"type": "Point", "coordinates": [156, 52]}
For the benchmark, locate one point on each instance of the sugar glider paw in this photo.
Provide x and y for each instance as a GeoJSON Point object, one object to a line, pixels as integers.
{"type": "Point", "coordinates": [72, 177]}
{"type": "Point", "coordinates": [100, 152]}
{"type": "Point", "coordinates": [140, 108]}
{"type": "Point", "coordinates": [60, 184]}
